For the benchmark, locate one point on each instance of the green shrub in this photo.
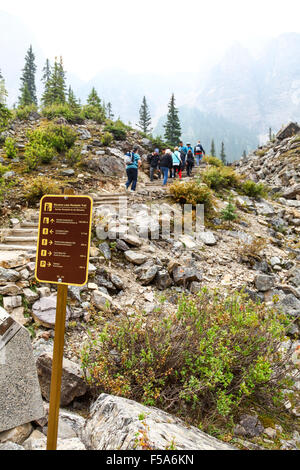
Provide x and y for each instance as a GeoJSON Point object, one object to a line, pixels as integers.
{"type": "Point", "coordinates": [23, 113]}
{"type": "Point", "coordinates": [208, 358]}
{"type": "Point", "coordinates": [220, 178]}
{"type": "Point", "coordinates": [73, 156]}
{"type": "Point", "coordinates": [214, 161]}
{"type": "Point", "coordinates": [10, 148]}
{"type": "Point", "coordinates": [158, 143]}
{"type": "Point", "coordinates": [107, 139]}
{"type": "Point", "coordinates": [3, 169]}
{"type": "Point", "coordinates": [192, 192]}
{"type": "Point", "coordinates": [229, 213]}
{"type": "Point", "coordinates": [255, 190]}
{"type": "Point", "coordinates": [118, 129]}
{"type": "Point", "coordinates": [95, 113]}
{"type": "Point", "coordinates": [39, 187]}
{"type": "Point", "coordinates": [45, 142]}
{"type": "Point", "coordinates": [63, 110]}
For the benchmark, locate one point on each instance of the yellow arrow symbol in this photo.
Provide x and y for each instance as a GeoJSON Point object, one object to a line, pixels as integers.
{"type": "Point", "coordinates": [51, 231]}
{"type": "Point", "coordinates": [52, 221]}
{"type": "Point", "coordinates": [49, 264]}
{"type": "Point", "coordinates": [50, 253]}
{"type": "Point", "coordinates": [50, 243]}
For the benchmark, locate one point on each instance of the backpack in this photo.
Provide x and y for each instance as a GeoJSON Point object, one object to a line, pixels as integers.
{"type": "Point", "coordinates": [198, 149]}
{"type": "Point", "coordinates": [129, 158]}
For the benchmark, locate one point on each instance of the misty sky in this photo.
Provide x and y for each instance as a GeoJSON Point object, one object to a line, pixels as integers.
{"type": "Point", "coordinates": [148, 36]}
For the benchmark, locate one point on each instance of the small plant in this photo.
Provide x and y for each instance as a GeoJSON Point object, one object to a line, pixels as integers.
{"type": "Point", "coordinates": [3, 169]}
{"type": "Point", "coordinates": [207, 359]}
{"type": "Point", "coordinates": [23, 113]}
{"type": "Point", "coordinates": [107, 139]}
{"type": "Point", "coordinates": [218, 178]}
{"type": "Point", "coordinates": [252, 251]}
{"type": "Point", "coordinates": [229, 214]}
{"type": "Point", "coordinates": [73, 156]}
{"type": "Point", "coordinates": [214, 161]}
{"type": "Point", "coordinates": [40, 186]}
{"type": "Point", "coordinates": [10, 148]}
{"type": "Point", "coordinates": [192, 192]}
{"type": "Point", "coordinates": [118, 129]}
{"type": "Point", "coordinates": [63, 110]}
{"type": "Point", "coordinates": [252, 189]}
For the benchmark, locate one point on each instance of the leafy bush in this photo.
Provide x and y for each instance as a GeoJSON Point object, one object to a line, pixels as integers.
{"type": "Point", "coordinates": [214, 161]}
{"type": "Point", "coordinates": [23, 113]}
{"type": "Point", "coordinates": [118, 129]}
{"type": "Point", "coordinates": [192, 192]}
{"type": "Point", "coordinates": [208, 358]}
{"type": "Point", "coordinates": [10, 147]}
{"type": "Point", "coordinates": [73, 156]}
{"type": "Point", "coordinates": [220, 178]}
{"type": "Point", "coordinates": [95, 113]}
{"type": "Point", "coordinates": [40, 186]}
{"type": "Point", "coordinates": [107, 139]}
{"type": "Point", "coordinates": [255, 190]}
{"type": "Point", "coordinates": [158, 143]}
{"type": "Point", "coordinates": [3, 169]}
{"type": "Point", "coordinates": [63, 110]}
{"type": "Point", "coordinates": [251, 251]}
{"type": "Point", "coordinates": [45, 142]}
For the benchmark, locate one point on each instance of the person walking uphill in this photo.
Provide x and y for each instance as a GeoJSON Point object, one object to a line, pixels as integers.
{"type": "Point", "coordinates": [183, 152]}
{"type": "Point", "coordinates": [154, 160]}
{"type": "Point", "coordinates": [133, 163]}
{"type": "Point", "coordinates": [176, 163]}
{"type": "Point", "coordinates": [190, 161]}
{"type": "Point", "coordinates": [199, 152]}
{"type": "Point", "coordinates": [166, 163]}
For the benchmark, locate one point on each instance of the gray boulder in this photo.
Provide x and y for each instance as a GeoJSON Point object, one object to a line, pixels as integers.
{"type": "Point", "coordinates": [115, 423]}
{"type": "Point", "coordinates": [72, 385]}
{"type": "Point", "coordinates": [135, 257]}
{"type": "Point", "coordinates": [263, 282]}
{"type": "Point", "coordinates": [44, 311]}
{"type": "Point", "coordinates": [288, 131]}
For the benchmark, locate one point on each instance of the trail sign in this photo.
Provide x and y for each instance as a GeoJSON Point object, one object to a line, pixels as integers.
{"type": "Point", "coordinates": [64, 240]}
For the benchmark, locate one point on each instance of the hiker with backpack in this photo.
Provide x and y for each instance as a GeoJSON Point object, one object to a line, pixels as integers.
{"type": "Point", "coordinates": [166, 163]}
{"type": "Point", "coordinates": [133, 163]}
{"type": "Point", "coordinates": [190, 162]}
{"type": "Point", "coordinates": [199, 152]}
{"type": "Point", "coordinates": [183, 152]}
{"type": "Point", "coordinates": [176, 163]}
{"type": "Point", "coordinates": [154, 160]}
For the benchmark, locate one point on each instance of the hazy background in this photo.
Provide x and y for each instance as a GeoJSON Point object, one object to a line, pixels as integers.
{"type": "Point", "coordinates": [234, 66]}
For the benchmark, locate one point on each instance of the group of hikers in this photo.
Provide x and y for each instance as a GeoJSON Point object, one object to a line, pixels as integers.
{"type": "Point", "coordinates": [165, 164]}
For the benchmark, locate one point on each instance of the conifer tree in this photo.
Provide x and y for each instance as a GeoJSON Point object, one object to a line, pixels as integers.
{"type": "Point", "coordinates": [72, 100]}
{"type": "Point", "coordinates": [145, 118]}
{"type": "Point", "coordinates": [172, 126]}
{"type": "Point", "coordinates": [55, 87]}
{"type": "Point", "coordinates": [46, 72]}
{"type": "Point", "coordinates": [212, 149]}
{"type": "Point", "coordinates": [28, 88]}
{"type": "Point", "coordinates": [93, 99]}
{"type": "Point", "coordinates": [222, 154]}
{"type": "Point", "coordinates": [110, 114]}
{"type": "Point", "coordinates": [244, 153]}
{"type": "Point", "coordinates": [3, 92]}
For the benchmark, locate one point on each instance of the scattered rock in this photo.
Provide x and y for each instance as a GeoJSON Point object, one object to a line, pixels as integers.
{"type": "Point", "coordinates": [249, 426]}
{"type": "Point", "coordinates": [264, 283]}
{"type": "Point", "coordinates": [44, 311]}
{"type": "Point", "coordinates": [72, 385]}
{"type": "Point", "coordinates": [135, 257]}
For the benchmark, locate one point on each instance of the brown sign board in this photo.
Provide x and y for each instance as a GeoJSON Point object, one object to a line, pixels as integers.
{"type": "Point", "coordinates": [64, 240]}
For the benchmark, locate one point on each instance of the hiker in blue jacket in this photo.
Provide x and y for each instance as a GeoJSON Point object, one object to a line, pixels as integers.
{"type": "Point", "coordinates": [176, 162]}
{"type": "Point", "coordinates": [183, 152]}
{"type": "Point", "coordinates": [133, 163]}
{"type": "Point", "coordinates": [189, 147]}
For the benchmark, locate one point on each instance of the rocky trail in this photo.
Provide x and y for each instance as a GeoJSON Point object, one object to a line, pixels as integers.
{"type": "Point", "coordinates": [132, 274]}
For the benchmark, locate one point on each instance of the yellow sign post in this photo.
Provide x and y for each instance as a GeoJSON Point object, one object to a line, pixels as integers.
{"type": "Point", "coordinates": [62, 259]}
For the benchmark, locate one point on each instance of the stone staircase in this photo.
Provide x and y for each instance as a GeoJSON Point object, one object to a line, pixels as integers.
{"type": "Point", "coordinates": [23, 236]}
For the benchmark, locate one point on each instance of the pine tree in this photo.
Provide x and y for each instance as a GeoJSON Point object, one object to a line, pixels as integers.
{"type": "Point", "coordinates": [110, 114]}
{"type": "Point", "coordinates": [222, 154]}
{"type": "Point", "coordinates": [28, 88]}
{"type": "Point", "coordinates": [72, 100]}
{"type": "Point", "coordinates": [46, 72]}
{"type": "Point", "coordinates": [3, 92]}
{"type": "Point", "coordinates": [244, 153]}
{"type": "Point", "coordinates": [55, 87]}
{"type": "Point", "coordinates": [270, 134]}
{"type": "Point", "coordinates": [212, 149]}
{"type": "Point", "coordinates": [172, 126]}
{"type": "Point", "coordinates": [145, 118]}
{"type": "Point", "coordinates": [93, 99]}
